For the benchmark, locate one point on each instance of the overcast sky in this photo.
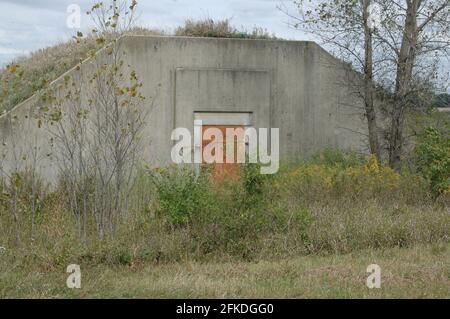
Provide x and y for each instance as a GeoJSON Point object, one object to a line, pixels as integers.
{"type": "Point", "coordinates": [27, 25]}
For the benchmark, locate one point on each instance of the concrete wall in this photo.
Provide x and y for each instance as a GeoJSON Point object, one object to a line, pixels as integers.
{"type": "Point", "coordinates": [295, 86]}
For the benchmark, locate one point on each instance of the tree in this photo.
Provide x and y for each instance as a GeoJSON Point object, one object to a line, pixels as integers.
{"type": "Point", "coordinates": [96, 118]}
{"type": "Point", "coordinates": [347, 29]}
{"type": "Point", "coordinates": [415, 30]}
{"type": "Point", "coordinates": [409, 39]}
{"type": "Point", "coordinates": [368, 81]}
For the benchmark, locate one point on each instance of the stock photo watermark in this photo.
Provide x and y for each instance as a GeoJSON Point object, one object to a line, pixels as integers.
{"type": "Point", "coordinates": [73, 20]}
{"type": "Point", "coordinates": [374, 279]}
{"type": "Point", "coordinates": [238, 146]}
{"type": "Point", "coordinates": [74, 279]}
{"type": "Point", "coordinates": [375, 16]}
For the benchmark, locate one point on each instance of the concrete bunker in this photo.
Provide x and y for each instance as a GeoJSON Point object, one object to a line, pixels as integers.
{"type": "Point", "coordinates": [295, 86]}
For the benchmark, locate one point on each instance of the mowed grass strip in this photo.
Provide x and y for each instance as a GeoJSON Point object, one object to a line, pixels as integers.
{"type": "Point", "coordinates": [417, 272]}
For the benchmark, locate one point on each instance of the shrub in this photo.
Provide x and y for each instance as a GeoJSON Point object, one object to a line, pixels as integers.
{"type": "Point", "coordinates": [433, 159]}
{"type": "Point", "coordinates": [295, 210]}
{"type": "Point", "coordinates": [315, 207]}
{"type": "Point", "coordinates": [335, 158]}
{"type": "Point", "coordinates": [218, 29]}
{"type": "Point", "coordinates": [322, 179]}
{"type": "Point", "coordinates": [231, 216]}
{"type": "Point", "coordinates": [181, 193]}
{"type": "Point", "coordinates": [22, 197]}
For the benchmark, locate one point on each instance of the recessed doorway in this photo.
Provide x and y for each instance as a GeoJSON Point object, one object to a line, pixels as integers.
{"type": "Point", "coordinates": [216, 129]}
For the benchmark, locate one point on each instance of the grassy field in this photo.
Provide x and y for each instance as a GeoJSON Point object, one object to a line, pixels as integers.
{"type": "Point", "coordinates": [422, 271]}
{"type": "Point", "coordinates": [310, 231]}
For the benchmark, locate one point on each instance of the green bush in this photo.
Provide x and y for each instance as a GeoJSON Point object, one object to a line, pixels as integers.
{"type": "Point", "coordinates": [230, 216]}
{"type": "Point", "coordinates": [433, 159]}
{"type": "Point", "coordinates": [181, 193]}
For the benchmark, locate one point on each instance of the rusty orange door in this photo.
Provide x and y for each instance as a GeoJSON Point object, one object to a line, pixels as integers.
{"type": "Point", "coordinates": [224, 169]}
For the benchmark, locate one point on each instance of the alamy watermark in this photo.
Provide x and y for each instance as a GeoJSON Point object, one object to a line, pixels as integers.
{"type": "Point", "coordinates": [239, 145]}
{"type": "Point", "coordinates": [375, 16]}
{"type": "Point", "coordinates": [73, 20]}
{"type": "Point", "coordinates": [374, 279]}
{"type": "Point", "coordinates": [74, 279]}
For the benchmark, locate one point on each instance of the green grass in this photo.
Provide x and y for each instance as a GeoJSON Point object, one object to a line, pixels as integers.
{"type": "Point", "coordinates": [419, 272]}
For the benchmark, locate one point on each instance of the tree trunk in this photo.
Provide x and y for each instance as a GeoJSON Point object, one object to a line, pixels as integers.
{"type": "Point", "coordinates": [368, 84]}
{"type": "Point", "coordinates": [406, 60]}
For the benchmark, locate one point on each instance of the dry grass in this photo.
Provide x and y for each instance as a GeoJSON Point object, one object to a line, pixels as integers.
{"type": "Point", "coordinates": [219, 29]}
{"type": "Point", "coordinates": [418, 272]}
{"type": "Point", "coordinates": [27, 74]}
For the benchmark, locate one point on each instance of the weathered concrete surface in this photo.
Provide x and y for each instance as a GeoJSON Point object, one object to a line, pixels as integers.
{"type": "Point", "coordinates": [295, 86]}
